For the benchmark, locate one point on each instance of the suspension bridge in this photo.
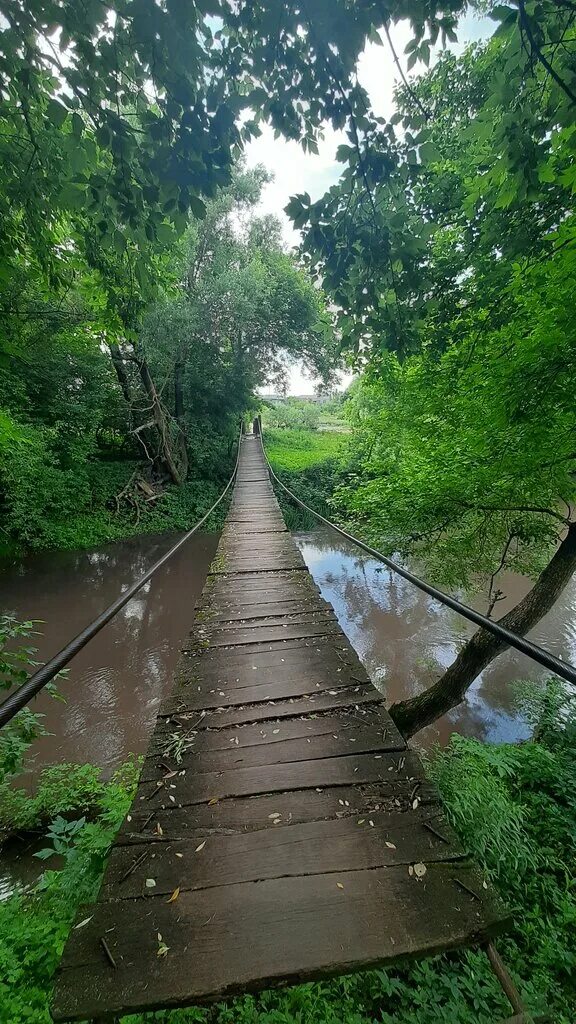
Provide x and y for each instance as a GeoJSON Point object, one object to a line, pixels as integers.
{"type": "Point", "coordinates": [282, 830]}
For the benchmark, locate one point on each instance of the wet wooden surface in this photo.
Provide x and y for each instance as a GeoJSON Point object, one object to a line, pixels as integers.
{"type": "Point", "coordinates": [281, 829]}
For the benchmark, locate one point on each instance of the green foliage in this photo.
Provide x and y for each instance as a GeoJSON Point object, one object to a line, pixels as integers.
{"type": "Point", "coordinates": [78, 415]}
{"type": "Point", "coordinates": [293, 450]}
{"type": "Point", "coordinates": [468, 454]}
{"type": "Point", "coordinates": [474, 168]}
{"type": "Point", "coordinates": [115, 127]}
{"type": "Point", "coordinates": [15, 661]}
{"type": "Point", "coordinates": [292, 413]}
{"type": "Point", "coordinates": [34, 925]}
{"type": "Point", "coordinates": [515, 808]}
{"type": "Point", "coordinates": [309, 463]}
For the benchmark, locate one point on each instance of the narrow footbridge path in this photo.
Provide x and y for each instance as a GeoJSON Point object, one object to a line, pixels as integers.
{"type": "Point", "coordinates": [281, 830]}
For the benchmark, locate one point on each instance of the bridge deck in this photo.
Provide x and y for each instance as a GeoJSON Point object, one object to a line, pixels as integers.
{"type": "Point", "coordinates": [281, 829]}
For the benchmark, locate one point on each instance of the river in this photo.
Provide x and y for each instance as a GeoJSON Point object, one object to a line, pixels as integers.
{"type": "Point", "coordinates": [116, 683]}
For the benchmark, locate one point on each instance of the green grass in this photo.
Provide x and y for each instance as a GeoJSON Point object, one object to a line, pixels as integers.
{"type": "Point", "coordinates": [295, 450]}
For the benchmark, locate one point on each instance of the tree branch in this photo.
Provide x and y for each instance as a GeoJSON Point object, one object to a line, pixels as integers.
{"type": "Point", "coordinates": [412, 94]}
{"type": "Point", "coordinates": [527, 28]}
{"type": "Point", "coordinates": [538, 509]}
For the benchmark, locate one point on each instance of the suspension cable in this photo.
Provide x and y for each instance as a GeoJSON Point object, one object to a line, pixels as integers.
{"type": "Point", "coordinates": [549, 661]}
{"type": "Point", "coordinates": [36, 682]}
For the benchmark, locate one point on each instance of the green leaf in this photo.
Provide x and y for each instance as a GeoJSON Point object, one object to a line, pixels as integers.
{"type": "Point", "coordinates": [197, 207]}
{"type": "Point", "coordinates": [165, 233]}
{"type": "Point", "coordinates": [119, 242]}
{"type": "Point", "coordinates": [77, 125]}
{"type": "Point", "coordinates": [56, 113]}
{"type": "Point", "coordinates": [72, 197]}
{"type": "Point", "coordinates": [429, 152]}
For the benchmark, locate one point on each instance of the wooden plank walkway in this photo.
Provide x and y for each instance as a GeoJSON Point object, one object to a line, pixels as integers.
{"type": "Point", "coordinates": [277, 800]}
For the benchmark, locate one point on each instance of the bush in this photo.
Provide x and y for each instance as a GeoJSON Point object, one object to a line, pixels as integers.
{"type": "Point", "coordinates": [34, 925]}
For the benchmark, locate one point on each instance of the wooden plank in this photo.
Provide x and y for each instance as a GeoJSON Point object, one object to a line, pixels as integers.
{"type": "Point", "coordinates": [245, 595]}
{"type": "Point", "coordinates": [274, 932]}
{"type": "Point", "coordinates": [358, 700]}
{"type": "Point", "coordinates": [209, 735]}
{"type": "Point", "coordinates": [300, 648]}
{"type": "Point", "coordinates": [236, 635]}
{"type": "Point", "coordinates": [287, 580]}
{"type": "Point", "coordinates": [296, 653]}
{"type": "Point", "coordinates": [230, 612]}
{"type": "Point", "coordinates": [200, 698]}
{"type": "Point", "coordinates": [247, 814]}
{"type": "Point", "coordinates": [287, 850]}
{"type": "Point", "coordinates": [347, 770]}
{"type": "Point", "coordinates": [263, 562]}
{"type": "Point", "coordinates": [199, 758]}
{"type": "Point", "coordinates": [266, 617]}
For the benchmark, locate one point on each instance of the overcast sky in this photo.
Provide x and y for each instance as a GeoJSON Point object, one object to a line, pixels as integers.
{"type": "Point", "coordinates": [296, 171]}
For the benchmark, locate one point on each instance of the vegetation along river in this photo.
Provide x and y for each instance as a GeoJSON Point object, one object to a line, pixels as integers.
{"type": "Point", "coordinates": [115, 685]}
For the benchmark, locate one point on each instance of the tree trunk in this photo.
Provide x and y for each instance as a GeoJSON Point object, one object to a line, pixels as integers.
{"type": "Point", "coordinates": [179, 389]}
{"type": "Point", "coordinates": [118, 364]}
{"type": "Point", "coordinates": [161, 420]}
{"type": "Point", "coordinates": [179, 412]}
{"type": "Point", "coordinates": [412, 715]}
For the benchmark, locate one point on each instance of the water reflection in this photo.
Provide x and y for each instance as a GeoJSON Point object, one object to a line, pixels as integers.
{"type": "Point", "coordinates": [116, 683]}
{"type": "Point", "coordinates": [405, 639]}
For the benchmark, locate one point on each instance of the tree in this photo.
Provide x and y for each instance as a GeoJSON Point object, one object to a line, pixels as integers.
{"type": "Point", "coordinates": [464, 450]}
{"type": "Point", "coordinates": [243, 310]}
{"type": "Point", "coordinates": [372, 237]}
{"type": "Point", "coordinates": [130, 112]}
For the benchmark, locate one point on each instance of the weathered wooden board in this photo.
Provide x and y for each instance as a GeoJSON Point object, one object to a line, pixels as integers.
{"type": "Point", "coordinates": [277, 800]}
{"type": "Point", "coordinates": [310, 848]}
{"type": "Point", "coordinates": [386, 770]}
{"type": "Point", "coordinates": [315, 746]}
{"type": "Point", "coordinates": [244, 815]}
{"type": "Point", "coordinates": [210, 734]}
{"type": "Point", "coordinates": [240, 635]}
{"type": "Point", "coordinates": [225, 611]}
{"type": "Point", "coordinates": [356, 700]}
{"type": "Point", "coordinates": [249, 935]}
{"type": "Point", "coordinates": [303, 616]}
{"type": "Point", "coordinates": [227, 694]}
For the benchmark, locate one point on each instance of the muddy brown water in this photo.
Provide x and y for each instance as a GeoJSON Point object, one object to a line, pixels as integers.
{"type": "Point", "coordinates": [405, 639]}
{"type": "Point", "coordinates": [116, 683]}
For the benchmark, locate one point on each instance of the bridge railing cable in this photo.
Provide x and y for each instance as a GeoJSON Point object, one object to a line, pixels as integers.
{"type": "Point", "coordinates": [36, 682]}
{"type": "Point", "coordinates": [520, 643]}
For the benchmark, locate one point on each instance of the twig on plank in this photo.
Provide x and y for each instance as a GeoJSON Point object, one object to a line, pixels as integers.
{"type": "Point", "coordinates": [106, 949]}
{"type": "Point", "coordinates": [427, 825]}
{"type": "Point", "coordinates": [133, 866]}
{"type": "Point", "coordinates": [467, 889]}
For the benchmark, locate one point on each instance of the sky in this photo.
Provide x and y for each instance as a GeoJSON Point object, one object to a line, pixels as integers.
{"type": "Point", "coordinates": [295, 171]}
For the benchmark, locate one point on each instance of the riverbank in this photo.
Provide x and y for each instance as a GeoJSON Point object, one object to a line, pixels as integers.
{"type": "Point", "coordinates": [104, 521]}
